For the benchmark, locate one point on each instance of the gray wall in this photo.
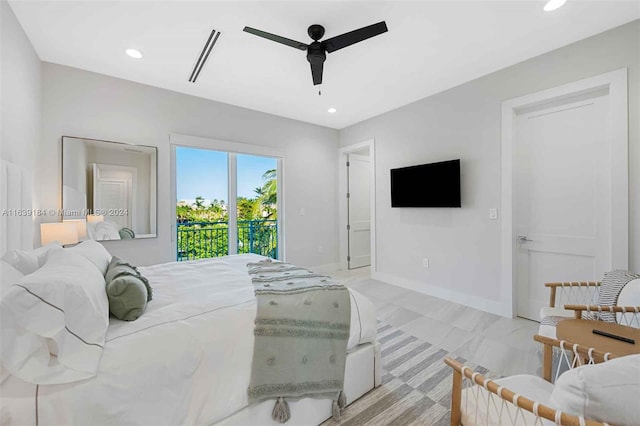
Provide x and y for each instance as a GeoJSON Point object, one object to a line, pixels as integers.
{"type": "Point", "coordinates": [21, 93]}
{"type": "Point", "coordinates": [85, 104]}
{"type": "Point", "coordinates": [463, 245]}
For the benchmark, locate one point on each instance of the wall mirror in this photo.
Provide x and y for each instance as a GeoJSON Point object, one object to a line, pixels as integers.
{"type": "Point", "coordinates": [109, 188]}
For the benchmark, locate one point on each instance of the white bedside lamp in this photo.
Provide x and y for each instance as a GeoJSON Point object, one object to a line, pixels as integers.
{"type": "Point", "coordinates": [95, 218]}
{"type": "Point", "coordinates": [81, 226]}
{"type": "Point", "coordinates": [61, 232]}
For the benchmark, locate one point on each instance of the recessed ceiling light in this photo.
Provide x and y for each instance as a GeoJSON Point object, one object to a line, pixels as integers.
{"type": "Point", "coordinates": [136, 54]}
{"type": "Point", "coordinates": [553, 5]}
{"type": "Point", "coordinates": [332, 110]}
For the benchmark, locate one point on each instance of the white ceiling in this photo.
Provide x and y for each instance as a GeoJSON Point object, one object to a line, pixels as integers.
{"type": "Point", "coordinates": [430, 46]}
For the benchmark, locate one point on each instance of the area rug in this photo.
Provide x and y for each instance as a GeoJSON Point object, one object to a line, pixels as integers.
{"type": "Point", "coordinates": [416, 385]}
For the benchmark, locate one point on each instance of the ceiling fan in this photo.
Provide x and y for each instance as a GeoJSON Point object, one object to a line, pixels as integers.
{"type": "Point", "coordinates": [317, 50]}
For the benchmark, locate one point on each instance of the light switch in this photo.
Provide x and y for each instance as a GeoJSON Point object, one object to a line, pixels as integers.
{"type": "Point", "coordinates": [493, 214]}
{"type": "Point", "coordinates": [303, 211]}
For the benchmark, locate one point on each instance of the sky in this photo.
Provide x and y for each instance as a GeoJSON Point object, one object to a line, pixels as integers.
{"type": "Point", "coordinates": [202, 172]}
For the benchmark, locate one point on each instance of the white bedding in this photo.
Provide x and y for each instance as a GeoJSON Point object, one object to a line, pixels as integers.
{"type": "Point", "coordinates": [187, 360]}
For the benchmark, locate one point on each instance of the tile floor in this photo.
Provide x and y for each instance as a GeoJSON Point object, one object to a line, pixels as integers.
{"type": "Point", "coordinates": [503, 345]}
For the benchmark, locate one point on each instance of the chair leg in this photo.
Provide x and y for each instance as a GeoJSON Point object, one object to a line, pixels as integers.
{"type": "Point", "coordinates": [547, 362]}
{"type": "Point", "coordinates": [456, 397]}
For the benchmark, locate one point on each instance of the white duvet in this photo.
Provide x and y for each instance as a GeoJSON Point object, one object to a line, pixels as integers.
{"type": "Point", "coordinates": [187, 360]}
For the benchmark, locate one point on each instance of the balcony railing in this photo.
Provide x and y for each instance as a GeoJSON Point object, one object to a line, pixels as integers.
{"type": "Point", "coordinates": [202, 240]}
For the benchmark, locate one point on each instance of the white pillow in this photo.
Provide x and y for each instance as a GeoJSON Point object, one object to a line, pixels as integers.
{"type": "Point", "coordinates": [95, 252]}
{"type": "Point", "coordinates": [8, 277]}
{"type": "Point", "coordinates": [29, 261]}
{"type": "Point", "coordinates": [606, 392]}
{"type": "Point", "coordinates": [106, 231]}
{"type": "Point", "coordinates": [61, 309]}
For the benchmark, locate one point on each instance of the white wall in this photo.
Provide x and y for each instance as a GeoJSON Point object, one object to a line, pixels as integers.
{"type": "Point", "coordinates": [84, 104]}
{"type": "Point", "coordinates": [21, 93]}
{"type": "Point", "coordinates": [463, 245]}
{"type": "Point", "coordinates": [74, 177]}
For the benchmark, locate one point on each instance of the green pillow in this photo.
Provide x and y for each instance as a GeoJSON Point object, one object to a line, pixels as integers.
{"type": "Point", "coordinates": [126, 233]}
{"type": "Point", "coordinates": [128, 291]}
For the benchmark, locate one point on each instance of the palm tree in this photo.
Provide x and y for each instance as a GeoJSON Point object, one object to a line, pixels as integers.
{"type": "Point", "coordinates": [199, 202]}
{"type": "Point", "coordinates": [266, 203]}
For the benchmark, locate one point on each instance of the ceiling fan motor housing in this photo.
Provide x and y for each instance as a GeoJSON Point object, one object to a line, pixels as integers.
{"type": "Point", "coordinates": [315, 31]}
{"type": "Point", "coordinates": [316, 53]}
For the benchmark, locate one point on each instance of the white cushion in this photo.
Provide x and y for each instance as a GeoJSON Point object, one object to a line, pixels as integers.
{"type": "Point", "coordinates": [63, 309]}
{"type": "Point", "coordinates": [629, 296]}
{"type": "Point", "coordinates": [95, 252]}
{"type": "Point", "coordinates": [552, 315]}
{"type": "Point", "coordinates": [548, 311]}
{"type": "Point", "coordinates": [481, 412]}
{"type": "Point", "coordinates": [606, 392]}
{"type": "Point", "coordinates": [547, 331]}
{"type": "Point", "coordinates": [29, 261]}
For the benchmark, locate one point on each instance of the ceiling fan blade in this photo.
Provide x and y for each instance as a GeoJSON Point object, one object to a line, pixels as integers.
{"type": "Point", "coordinates": [276, 38]}
{"type": "Point", "coordinates": [347, 39]}
{"type": "Point", "coordinates": [316, 72]}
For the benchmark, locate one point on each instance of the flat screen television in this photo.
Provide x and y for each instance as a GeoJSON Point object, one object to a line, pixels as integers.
{"type": "Point", "coordinates": [426, 185]}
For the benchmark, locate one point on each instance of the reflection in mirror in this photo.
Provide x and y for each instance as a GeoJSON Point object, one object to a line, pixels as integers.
{"type": "Point", "coordinates": [109, 188]}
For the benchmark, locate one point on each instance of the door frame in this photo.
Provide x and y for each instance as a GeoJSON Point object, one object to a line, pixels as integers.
{"type": "Point", "coordinates": [231, 148]}
{"type": "Point", "coordinates": [616, 83]}
{"type": "Point", "coordinates": [342, 199]}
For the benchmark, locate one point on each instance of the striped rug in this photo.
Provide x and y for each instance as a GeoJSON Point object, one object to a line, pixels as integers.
{"type": "Point", "coordinates": [416, 385]}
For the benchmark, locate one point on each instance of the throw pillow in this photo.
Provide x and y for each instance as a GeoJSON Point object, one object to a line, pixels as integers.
{"type": "Point", "coordinates": [606, 392]}
{"type": "Point", "coordinates": [612, 284]}
{"type": "Point", "coordinates": [128, 291]}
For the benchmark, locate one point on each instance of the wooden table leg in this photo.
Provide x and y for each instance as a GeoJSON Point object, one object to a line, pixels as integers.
{"type": "Point", "coordinates": [547, 362]}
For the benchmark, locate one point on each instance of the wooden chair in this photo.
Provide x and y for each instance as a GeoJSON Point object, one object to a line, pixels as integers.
{"type": "Point", "coordinates": [476, 400]}
{"type": "Point", "coordinates": [580, 300]}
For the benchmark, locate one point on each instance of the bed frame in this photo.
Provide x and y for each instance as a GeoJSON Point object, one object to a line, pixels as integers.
{"type": "Point", "coordinates": [363, 372]}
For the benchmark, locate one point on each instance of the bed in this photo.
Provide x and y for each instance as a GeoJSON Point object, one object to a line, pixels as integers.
{"type": "Point", "coordinates": [187, 360]}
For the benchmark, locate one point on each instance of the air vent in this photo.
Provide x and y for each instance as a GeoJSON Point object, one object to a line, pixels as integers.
{"type": "Point", "coordinates": [204, 55]}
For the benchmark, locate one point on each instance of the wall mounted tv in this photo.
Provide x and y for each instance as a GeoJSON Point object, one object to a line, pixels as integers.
{"type": "Point", "coordinates": [426, 185]}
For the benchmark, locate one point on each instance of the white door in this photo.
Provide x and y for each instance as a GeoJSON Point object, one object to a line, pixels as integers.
{"type": "Point", "coordinates": [111, 196]}
{"type": "Point", "coordinates": [114, 192]}
{"type": "Point", "coordinates": [359, 208]}
{"type": "Point", "coordinates": [562, 192]}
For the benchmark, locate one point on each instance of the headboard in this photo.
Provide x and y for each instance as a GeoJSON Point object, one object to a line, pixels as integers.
{"type": "Point", "coordinates": [16, 230]}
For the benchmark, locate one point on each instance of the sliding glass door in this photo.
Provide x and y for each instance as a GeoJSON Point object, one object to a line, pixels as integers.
{"type": "Point", "coordinates": [226, 203]}
{"type": "Point", "coordinates": [257, 205]}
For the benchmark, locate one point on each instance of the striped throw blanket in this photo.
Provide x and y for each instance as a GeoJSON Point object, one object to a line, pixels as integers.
{"type": "Point", "coordinates": [301, 335]}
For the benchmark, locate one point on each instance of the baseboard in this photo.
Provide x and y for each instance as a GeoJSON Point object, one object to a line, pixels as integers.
{"type": "Point", "coordinates": [328, 268]}
{"type": "Point", "coordinates": [475, 302]}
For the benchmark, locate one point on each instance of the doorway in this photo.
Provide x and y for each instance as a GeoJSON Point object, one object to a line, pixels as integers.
{"type": "Point", "coordinates": [565, 202]}
{"type": "Point", "coordinates": [358, 210]}
{"type": "Point", "coordinates": [357, 205]}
